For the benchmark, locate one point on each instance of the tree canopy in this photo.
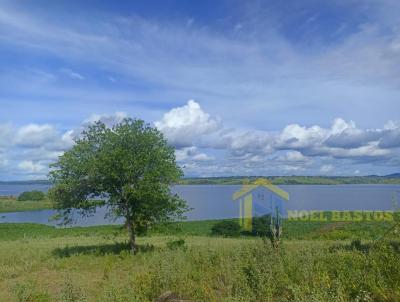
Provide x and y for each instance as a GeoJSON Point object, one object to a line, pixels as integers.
{"type": "Point", "coordinates": [128, 168]}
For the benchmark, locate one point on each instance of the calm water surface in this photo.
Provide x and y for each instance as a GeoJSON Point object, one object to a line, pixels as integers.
{"type": "Point", "coordinates": [215, 201]}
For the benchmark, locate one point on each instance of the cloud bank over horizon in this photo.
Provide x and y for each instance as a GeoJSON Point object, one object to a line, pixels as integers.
{"type": "Point", "coordinates": [205, 147]}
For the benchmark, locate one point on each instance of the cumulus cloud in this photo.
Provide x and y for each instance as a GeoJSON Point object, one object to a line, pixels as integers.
{"type": "Point", "coordinates": [299, 137]}
{"type": "Point", "coordinates": [191, 154]}
{"type": "Point", "coordinates": [108, 119]}
{"type": "Point", "coordinates": [34, 135]}
{"type": "Point", "coordinates": [249, 142]}
{"type": "Point", "coordinates": [67, 139]}
{"type": "Point", "coordinates": [367, 151]}
{"type": "Point", "coordinates": [327, 168]}
{"type": "Point", "coordinates": [5, 132]}
{"type": "Point", "coordinates": [343, 140]}
{"type": "Point", "coordinates": [32, 167]}
{"type": "Point", "coordinates": [35, 146]}
{"type": "Point", "coordinates": [347, 135]}
{"type": "Point", "coordinates": [293, 156]}
{"type": "Point", "coordinates": [45, 137]}
{"type": "Point", "coordinates": [183, 125]}
{"type": "Point", "coordinates": [390, 139]}
{"type": "Point", "coordinates": [204, 145]}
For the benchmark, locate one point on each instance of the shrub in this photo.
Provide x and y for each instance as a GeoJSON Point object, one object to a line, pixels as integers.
{"type": "Point", "coordinates": [173, 245]}
{"type": "Point", "coordinates": [267, 226]}
{"type": "Point", "coordinates": [226, 228]}
{"type": "Point", "coordinates": [32, 195]}
{"type": "Point", "coordinates": [261, 226]}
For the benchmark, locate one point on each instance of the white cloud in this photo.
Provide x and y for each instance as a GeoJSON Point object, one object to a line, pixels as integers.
{"type": "Point", "coordinates": [293, 156]}
{"type": "Point", "coordinates": [327, 168]}
{"type": "Point", "coordinates": [183, 125]}
{"type": "Point", "coordinates": [343, 140]}
{"type": "Point", "coordinates": [339, 125]}
{"type": "Point", "coordinates": [392, 125]}
{"type": "Point", "coordinates": [72, 74]}
{"type": "Point", "coordinates": [108, 119]}
{"type": "Point", "coordinates": [3, 161]}
{"type": "Point", "coordinates": [209, 147]}
{"type": "Point", "coordinates": [68, 139]}
{"type": "Point", "coordinates": [191, 154]}
{"type": "Point", "coordinates": [254, 142]}
{"type": "Point", "coordinates": [5, 132]}
{"type": "Point", "coordinates": [202, 157]}
{"type": "Point", "coordinates": [296, 136]}
{"type": "Point", "coordinates": [369, 150]}
{"type": "Point", "coordinates": [40, 154]}
{"type": "Point", "coordinates": [34, 135]}
{"type": "Point", "coordinates": [35, 146]}
{"type": "Point", "coordinates": [292, 168]}
{"type": "Point", "coordinates": [32, 167]}
{"type": "Point", "coordinates": [391, 138]}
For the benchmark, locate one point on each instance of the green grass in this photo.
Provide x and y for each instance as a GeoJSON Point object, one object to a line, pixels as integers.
{"type": "Point", "coordinates": [292, 230]}
{"type": "Point", "coordinates": [11, 204]}
{"type": "Point", "coordinates": [17, 231]}
{"type": "Point", "coordinates": [43, 263]}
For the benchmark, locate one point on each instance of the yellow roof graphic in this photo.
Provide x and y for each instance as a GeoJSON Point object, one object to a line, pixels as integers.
{"type": "Point", "coordinates": [264, 183]}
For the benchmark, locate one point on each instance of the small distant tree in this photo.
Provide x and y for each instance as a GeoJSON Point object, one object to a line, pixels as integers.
{"type": "Point", "coordinates": [227, 228]}
{"type": "Point", "coordinates": [128, 168]}
{"type": "Point", "coordinates": [269, 227]}
{"type": "Point", "coordinates": [32, 196]}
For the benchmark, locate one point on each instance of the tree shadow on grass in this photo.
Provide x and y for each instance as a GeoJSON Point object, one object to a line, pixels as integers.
{"type": "Point", "coordinates": [100, 250]}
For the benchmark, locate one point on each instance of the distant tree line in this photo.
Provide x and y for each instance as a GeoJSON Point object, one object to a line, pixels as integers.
{"type": "Point", "coordinates": [294, 180]}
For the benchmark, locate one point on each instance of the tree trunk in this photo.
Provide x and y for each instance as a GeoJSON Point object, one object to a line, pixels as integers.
{"type": "Point", "coordinates": [132, 236]}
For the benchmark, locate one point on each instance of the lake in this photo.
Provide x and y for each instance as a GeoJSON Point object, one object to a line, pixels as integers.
{"type": "Point", "coordinates": [215, 201]}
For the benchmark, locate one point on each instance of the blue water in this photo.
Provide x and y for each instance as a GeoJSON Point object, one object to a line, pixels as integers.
{"type": "Point", "coordinates": [16, 189]}
{"type": "Point", "coordinates": [215, 201]}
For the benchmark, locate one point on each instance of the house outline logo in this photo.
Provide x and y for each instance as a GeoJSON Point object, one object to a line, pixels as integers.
{"type": "Point", "coordinates": [246, 198]}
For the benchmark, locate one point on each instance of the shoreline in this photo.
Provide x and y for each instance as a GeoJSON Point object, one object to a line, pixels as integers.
{"type": "Point", "coordinates": [277, 180]}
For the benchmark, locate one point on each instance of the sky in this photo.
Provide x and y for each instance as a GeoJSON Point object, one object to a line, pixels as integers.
{"type": "Point", "coordinates": [237, 87]}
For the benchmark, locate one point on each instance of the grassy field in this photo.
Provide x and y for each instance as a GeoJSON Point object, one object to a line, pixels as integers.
{"type": "Point", "coordinates": [41, 263]}
{"type": "Point", "coordinates": [11, 204]}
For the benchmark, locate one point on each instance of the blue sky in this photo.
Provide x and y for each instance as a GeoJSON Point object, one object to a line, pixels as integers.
{"type": "Point", "coordinates": [239, 87]}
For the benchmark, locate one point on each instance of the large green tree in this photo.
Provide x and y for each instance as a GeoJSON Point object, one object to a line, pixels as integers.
{"type": "Point", "coordinates": [128, 168]}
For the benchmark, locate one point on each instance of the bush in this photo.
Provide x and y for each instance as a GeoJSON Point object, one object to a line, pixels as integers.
{"type": "Point", "coordinates": [32, 195]}
{"type": "Point", "coordinates": [261, 226]}
{"type": "Point", "coordinates": [226, 228]}
{"type": "Point", "coordinates": [173, 245]}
